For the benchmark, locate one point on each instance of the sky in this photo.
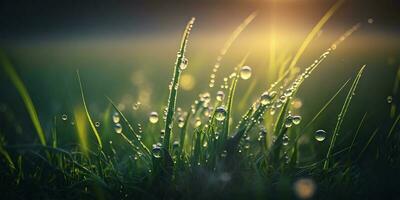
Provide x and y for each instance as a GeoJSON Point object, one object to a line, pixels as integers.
{"type": "Point", "coordinates": [29, 20]}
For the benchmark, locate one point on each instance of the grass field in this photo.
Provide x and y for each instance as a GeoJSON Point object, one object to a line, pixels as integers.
{"type": "Point", "coordinates": [317, 121]}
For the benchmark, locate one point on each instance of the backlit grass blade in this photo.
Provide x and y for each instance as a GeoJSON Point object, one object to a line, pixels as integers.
{"type": "Point", "coordinates": [357, 131]}
{"type": "Point", "coordinates": [23, 92]}
{"type": "Point", "coordinates": [175, 84]}
{"type": "Point", "coordinates": [341, 116]}
{"type": "Point", "coordinates": [368, 143]}
{"type": "Point", "coordinates": [81, 127]}
{"type": "Point", "coordinates": [393, 126]}
{"type": "Point", "coordinates": [230, 41]}
{"type": "Point", "coordinates": [326, 105]}
{"type": "Point", "coordinates": [136, 136]}
{"type": "Point", "coordinates": [315, 31]}
{"type": "Point", "coordinates": [88, 114]}
{"type": "Point", "coordinates": [230, 98]}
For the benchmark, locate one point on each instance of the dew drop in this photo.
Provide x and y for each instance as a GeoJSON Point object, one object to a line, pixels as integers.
{"type": "Point", "coordinates": [116, 117]}
{"type": "Point", "coordinates": [320, 135]}
{"type": "Point", "coordinates": [118, 128]}
{"type": "Point", "coordinates": [175, 145]}
{"type": "Point", "coordinates": [245, 72]}
{"type": "Point", "coordinates": [296, 120]}
{"type": "Point", "coordinates": [389, 99]}
{"type": "Point", "coordinates": [285, 140]}
{"type": "Point", "coordinates": [289, 122]}
{"type": "Point", "coordinates": [153, 117]}
{"type": "Point", "coordinates": [97, 124]}
{"type": "Point", "coordinates": [220, 96]}
{"type": "Point", "coordinates": [197, 122]}
{"type": "Point", "coordinates": [64, 117]}
{"type": "Point", "coordinates": [220, 113]}
{"type": "Point", "coordinates": [156, 151]}
{"type": "Point", "coordinates": [265, 98]}
{"type": "Point", "coordinates": [136, 105]}
{"type": "Point", "coordinates": [181, 122]}
{"type": "Point", "coordinates": [184, 63]}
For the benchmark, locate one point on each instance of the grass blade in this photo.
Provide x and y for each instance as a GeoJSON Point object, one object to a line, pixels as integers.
{"type": "Point", "coordinates": [326, 105]}
{"type": "Point", "coordinates": [175, 83]}
{"type": "Point", "coordinates": [88, 114]}
{"type": "Point", "coordinates": [23, 92]}
{"type": "Point", "coordinates": [342, 114]}
{"type": "Point", "coordinates": [312, 35]}
{"type": "Point", "coordinates": [230, 41]}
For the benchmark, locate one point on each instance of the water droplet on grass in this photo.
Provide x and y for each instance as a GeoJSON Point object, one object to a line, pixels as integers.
{"type": "Point", "coordinates": [285, 140]}
{"type": "Point", "coordinates": [181, 122]}
{"type": "Point", "coordinates": [220, 113]}
{"type": "Point", "coordinates": [266, 98]}
{"type": "Point", "coordinates": [245, 72]}
{"type": "Point", "coordinates": [289, 122]}
{"type": "Point", "coordinates": [220, 96]}
{"type": "Point", "coordinates": [153, 117]}
{"type": "Point", "coordinates": [183, 64]}
{"type": "Point", "coordinates": [296, 120]}
{"type": "Point", "coordinates": [320, 135]}
{"type": "Point", "coordinates": [197, 122]}
{"type": "Point", "coordinates": [116, 117]}
{"type": "Point", "coordinates": [156, 151]}
{"type": "Point", "coordinates": [118, 128]}
{"type": "Point", "coordinates": [64, 117]}
{"type": "Point", "coordinates": [389, 99]}
{"type": "Point", "coordinates": [97, 124]}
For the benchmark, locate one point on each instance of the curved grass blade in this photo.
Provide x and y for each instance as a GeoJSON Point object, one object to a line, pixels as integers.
{"type": "Point", "coordinates": [6, 155]}
{"type": "Point", "coordinates": [175, 83]}
{"type": "Point", "coordinates": [87, 112]}
{"type": "Point", "coordinates": [23, 92]}
{"type": "Point", "coordinates": [368, 143]}
{"type": "Point", "coordinates": [326, 105]}
{"type": "Point", "coordinates": [342, 114]}
{"type": "Point", "coordinates": [230, 98]}
{"type": "Point", "coordinates": [230, 41]}
{"type": "Point", "coordinates": [136, 136]}
{"type": "Point", "coordinates": [393, 126]}
{"type": "Point", "coordinates": [357, 131]}
{"type": "Point", "coordinates": [312, 35]}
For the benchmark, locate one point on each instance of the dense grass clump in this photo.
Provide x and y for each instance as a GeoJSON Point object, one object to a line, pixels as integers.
{"type": "Point", "coordinates": [205, 152]}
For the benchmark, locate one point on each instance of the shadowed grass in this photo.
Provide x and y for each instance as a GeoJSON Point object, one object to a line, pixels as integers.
{"type": "Point", "coordinates": [88, 114]}
{"type": "Point", "coordinates": [23, 92]}
{"type": "Point", "coordinates": [341, 116]}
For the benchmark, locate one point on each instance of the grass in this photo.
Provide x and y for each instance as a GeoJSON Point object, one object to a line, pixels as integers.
{"type": "Point", "coordinates": [265, 156]}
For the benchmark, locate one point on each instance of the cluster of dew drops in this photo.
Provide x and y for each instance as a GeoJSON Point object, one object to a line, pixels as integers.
{"type": "Point", "coordinates": [64, 117]}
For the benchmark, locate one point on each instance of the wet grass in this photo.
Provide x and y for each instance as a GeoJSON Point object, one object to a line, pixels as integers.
{"type": "Point", "coordinates": [202, 152]}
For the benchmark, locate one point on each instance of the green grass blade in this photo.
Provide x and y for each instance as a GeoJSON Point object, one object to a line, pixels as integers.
{"type": "Point", "coordinates": [136, 136]}
{"type": "Point", "coordinates": [341, 116]}
{"type": "Point", "coordinates": [88, 114]}
{"type": "Point", "coordinates": [311, 36]}
{"type": "Point", "coordinates": [235, 34]}
{"type": "Point", "coordinates": [368, 143]}
{"type": "Point", "coordinates": [175, 83]}
{"type": "Point", "coordinates": [23, 92]}
{"type": "Point", "coordinates": [357, 131]}
{"type": "Point", "coordinates": [230, 98]}
{"type": "Point", "coordinates": [326, 105]}
{"type": "Point", "coordinates": [393, 126]}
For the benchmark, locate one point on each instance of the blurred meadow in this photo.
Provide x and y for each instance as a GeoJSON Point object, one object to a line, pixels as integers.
{"type": "Point", "coordinates": [125, 50]}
